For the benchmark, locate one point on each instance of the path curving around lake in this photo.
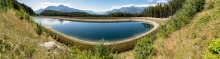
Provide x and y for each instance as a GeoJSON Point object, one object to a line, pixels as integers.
{"type": "Point", "coordinates": [122, 45]}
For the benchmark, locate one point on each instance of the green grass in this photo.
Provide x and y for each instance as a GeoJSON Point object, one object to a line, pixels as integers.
{"type": "Point", "coordinates": [182, 17]}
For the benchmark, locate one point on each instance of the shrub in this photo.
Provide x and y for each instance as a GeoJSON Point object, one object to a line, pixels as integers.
{"type": "Point", "coordinates": [39, 29]}
{"type": "Point", "coordinates": [214, 46]}
{"type": "Point", "coordinates": [209, 55]}
{"type": "Point", "coordinates": [144, 47]}
{"type": "Point", "coordinates": [102, 52]}
{"type": "Point", "coordinates": [213, 50]}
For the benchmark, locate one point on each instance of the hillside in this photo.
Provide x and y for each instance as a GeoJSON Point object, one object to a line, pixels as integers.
{"type": "Point", "coordinates": [22, 38]}
{"type": "Point", "coordinates": [197, 39]}
{"type": "Point", "coordinates": [18, 39]}
{"type": "Point", "coordinates": [192, 33]}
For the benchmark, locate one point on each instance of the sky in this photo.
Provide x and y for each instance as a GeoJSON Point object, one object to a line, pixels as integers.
{"type": "Point", "coordinates": [93, 5]}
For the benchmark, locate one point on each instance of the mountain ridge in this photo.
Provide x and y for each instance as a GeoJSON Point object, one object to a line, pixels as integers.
{"type": "Point", "coordinates": [131, 9]}
{"type": "Point", "coordinates": [63, 8]}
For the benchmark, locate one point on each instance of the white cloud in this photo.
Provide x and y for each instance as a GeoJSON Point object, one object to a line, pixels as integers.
{"type": "Point", "coordinates": [162, 1]}
{"type": "Point", "coordinates": [43, 5]}
{"type": "Point", "coordinates": [150, 0]}
{"type": "Point", "coordinates": [141, 5]}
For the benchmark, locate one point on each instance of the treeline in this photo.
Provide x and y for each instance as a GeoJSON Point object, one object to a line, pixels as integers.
{"type": "Point", "coordinates": [58, 13]}
{"type": "Point", "coordinates": [13, 4]}
{"type": "Point", "coordinates": [163, 10]}
{"type": "Point", "coordinates": [28, 9]}
{"type": "Point", "coordinates": [124, 14]}
{"type": "Point", "coordinates": [84, 14]}
{"type": "Point", "coordinates": [181, 18]}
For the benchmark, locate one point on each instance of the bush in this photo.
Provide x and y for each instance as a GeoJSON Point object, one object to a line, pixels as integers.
{"type": "Point", "coordinates": [39, 29]}
{"type": "Point", "coordinates": [144, 47]}
{"type": "Point", "coordinates": [214, 46]}
{"type": "Point", "coordinates": [213, 50]}
{"type": "Point", "coordinates": [102, 52]}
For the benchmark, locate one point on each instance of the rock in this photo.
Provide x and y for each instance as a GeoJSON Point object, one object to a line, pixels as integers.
{"type": "Point", "coordinates": [50, 45]}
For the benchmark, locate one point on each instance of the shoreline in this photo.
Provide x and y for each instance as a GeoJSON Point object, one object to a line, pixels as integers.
{"type": "Point", "coordinates": [125, 43]}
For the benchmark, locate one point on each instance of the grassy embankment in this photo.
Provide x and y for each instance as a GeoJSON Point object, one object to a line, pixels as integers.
{"type": "Point", "coordinates": [193, 40]}
{"type": "Point", "coordinates": [194, 35]}
{"type": "Point", "coordinates": [20, 38]}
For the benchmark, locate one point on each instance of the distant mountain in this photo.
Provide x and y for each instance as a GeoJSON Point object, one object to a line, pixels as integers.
{"type": "Point", "coordinates": [131, 9]}
{"type": "Point", "coordinates": [90, 12]}
{"type": "Point", "coordinates": [61, 8]}
{"type": "Point", "coordinates": [39, 11]}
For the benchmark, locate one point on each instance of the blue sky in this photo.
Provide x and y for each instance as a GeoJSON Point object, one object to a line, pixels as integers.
{"type": "Point", "coordinates": [94, 5]}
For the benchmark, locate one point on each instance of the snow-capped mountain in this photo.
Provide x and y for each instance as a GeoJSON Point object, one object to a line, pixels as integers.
{"type": "Point", "coordinates": [61, 8]}
{"type": "Point", "coordinates": [131, 9]}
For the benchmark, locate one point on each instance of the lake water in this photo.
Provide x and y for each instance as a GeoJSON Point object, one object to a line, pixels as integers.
{"type": "Point", "coordinates": [96, 31]}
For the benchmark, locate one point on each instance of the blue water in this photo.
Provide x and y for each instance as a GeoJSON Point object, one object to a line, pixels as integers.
{"type": "Point", "coordinates": [96, 31]}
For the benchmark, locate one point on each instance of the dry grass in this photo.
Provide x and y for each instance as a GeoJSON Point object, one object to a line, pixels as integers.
{"type": "Point", "coordinates": [182, 44]}
{"type": "Point", "coordinates": [21, 41]}
{"type": "Point", "coordinates": [127, 55]}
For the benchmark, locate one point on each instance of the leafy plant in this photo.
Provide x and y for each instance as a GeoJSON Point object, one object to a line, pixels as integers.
{"type": "Point", "coordinates": [144, 47]}
{"type": "Point", "coordinates": [39, 29]}
{"type": "Point", "coordinates": [214, 46]}
{"type": "Point", "coordinates": [213, 50]}
{"type": "Point", "coordinates": [102, 52]}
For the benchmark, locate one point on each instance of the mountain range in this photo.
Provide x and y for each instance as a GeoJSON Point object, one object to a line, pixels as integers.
{"type": "Point", "coordinates": [131, 10]}
{"type": "Point", "coordinates": [63, 8]}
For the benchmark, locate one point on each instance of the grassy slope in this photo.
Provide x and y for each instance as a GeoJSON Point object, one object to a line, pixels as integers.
{"type": "Point", "coordinates": [19, 40]}
{"type": "Point", "coordinates": [190, 41]}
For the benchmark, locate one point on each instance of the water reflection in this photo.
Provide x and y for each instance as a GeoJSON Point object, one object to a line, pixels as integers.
{"type": "Point", "coordinates": [147, 25]}
{"type": "Point", "coordinates": [51, 22]}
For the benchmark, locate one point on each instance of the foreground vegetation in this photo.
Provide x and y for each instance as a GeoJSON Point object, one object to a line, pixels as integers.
{"type": "Point", "coordinates": [190, 34]}
{"type": "Point", "coordinates": [21, 38]}
{"type": "Point", "coordinates": [193, 32]}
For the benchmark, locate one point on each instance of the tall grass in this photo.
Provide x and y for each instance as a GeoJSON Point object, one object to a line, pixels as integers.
{"type": "Point", "coordinates": [182, 17]}
{"type": "Point", "coordinates": [100, 52]}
